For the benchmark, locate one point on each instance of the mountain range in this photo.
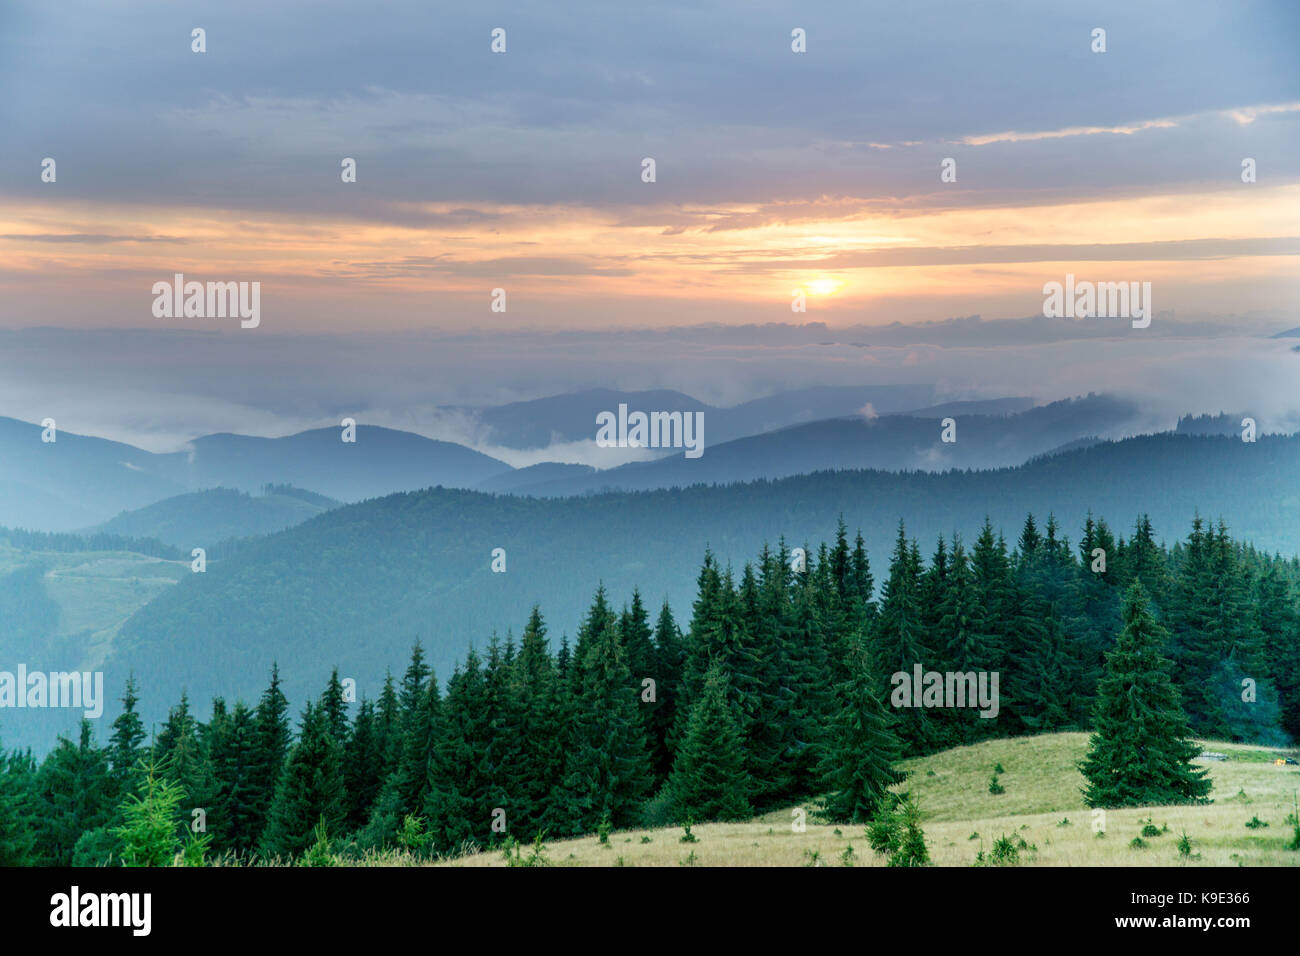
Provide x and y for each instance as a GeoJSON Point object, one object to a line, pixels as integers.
{"type": "Point", "coordinates": [356, 585]}
{"type": "Point", "coordinates": [78, 482]}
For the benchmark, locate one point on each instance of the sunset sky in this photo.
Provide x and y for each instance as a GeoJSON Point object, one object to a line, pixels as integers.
{"type": "Point", "coordinates": [776, 171]}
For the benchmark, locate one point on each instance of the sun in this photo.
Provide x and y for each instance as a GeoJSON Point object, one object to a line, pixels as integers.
{"type": "Point", "coordinates": [824, 286]}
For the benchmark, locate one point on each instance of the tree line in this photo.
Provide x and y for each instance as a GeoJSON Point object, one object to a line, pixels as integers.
{"type": "Point", "coordinates": [776, 692]}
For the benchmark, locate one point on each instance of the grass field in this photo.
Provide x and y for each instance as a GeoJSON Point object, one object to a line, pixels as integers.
{"type": "Point", "coordinates": [1041, 805]}
{"type": "Point", "coordinates": [96, 591]}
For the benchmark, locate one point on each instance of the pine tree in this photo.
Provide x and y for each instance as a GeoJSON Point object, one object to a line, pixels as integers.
{"type": "Point", "coordinates": [311, 789]}
{"type": "Point", "coordinates": [232, 822]}
{"type": "Point", "coordinates": [271, 739]}
{"type": "Point", "coordinates": [456, 802]}
{"type": "Point", "coordinates": [336, 709]}
{"type": "Point", "coordinates": [859, 766]}
{"type": "Point", "coordinates": [1280, 623]}
{"type": "Point", "coordinates": [810, 703]}
{"type": "Point", "coordinates": [670, 659]}
{"type": "Point", "coordinates": [540, 762]}
{"type": "Point", "coordinates": [607, 773]}
{"type": "Point", "coordinates": [71, 790]}
{"type": "Point", "coordinates": [17, 844]}
{"type": "Point", "coordinates": [1139, 753]}
{"type": "Point", "coordinates": [149, 833]}
{"type": "Point", "coordinates": [899, 640]}
{"type": "Point", "coordinates": [709, 780]}
{"type": "Point", "coordinates": [183, 758]}
{"type": "Point", "coordinates": [125, 746]}
{"type": "Point", "coordinates": [363, 765]}
{"type": "Point", "coordinates": [388, 724]}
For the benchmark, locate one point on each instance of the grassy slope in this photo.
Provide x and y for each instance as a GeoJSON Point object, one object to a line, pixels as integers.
{"type": "Point", "coordinates": [1042, 789]}
{"type": "Point", "coordinates": [96, 592]}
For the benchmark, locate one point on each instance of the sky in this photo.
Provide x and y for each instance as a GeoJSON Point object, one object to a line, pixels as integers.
{"type": "Point", "coordinates": [775, 172]}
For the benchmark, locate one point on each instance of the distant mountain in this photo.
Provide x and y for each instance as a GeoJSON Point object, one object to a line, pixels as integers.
{"type": "Point", "coordinates": [204, 518]}
{"type": "Point", "coordinates": [542, 473]}
{"type": "Point", "coordinates": [355, 586]}
{"type": "Point", "coordinates": [380, 462]}
{"type": "Point", "coordinates": [988, 406]}
{"type": "Point", "coordinates": [1288, 334]}
{"type": "Point", "coordinates": [887, 442]}
{"type": "Point", "coordinates": [1220, 424]}
{"type": "Point", "coordinates": [75, 480]}
{"type": "Point", "coordinates": [565, 418]}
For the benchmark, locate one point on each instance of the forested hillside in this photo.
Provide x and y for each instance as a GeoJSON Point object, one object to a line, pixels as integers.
{"type": "Point", "coordinates": [357, 585]}
{"type": "Point", "coordinates": [202, 519]}
{"type": "Point", "coordinates": [774, 692]}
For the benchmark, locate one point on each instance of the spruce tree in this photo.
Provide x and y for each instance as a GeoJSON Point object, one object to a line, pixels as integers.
{"type": "Point", "coordinates": [363, 765]}
{"type": "Point", "coordinates": [125, 746]}
{"type": "Point", "coordinates": [670, 659]}
{"type": "Point", "coordinates": [709, 780]}
{"type": "Point", "coordinates": [336, 709]}
{"type": "Point", "coordinates": [899, 641]}
{"type": "Point", "coordinates": [233, 821]}
{"type": "Point", "coordinates": [540, 760]}
{"type": "Point", "coordinates": [1140, 753]}
{"type": "Point", "coordinates": [17, 843]}
{"type": "Point", "coordinates": [311, 789]}
{"type": "Point", "coordinates": [1280, 623]}
{"type": "Point", "coordinates": [72, 795]}
{"type": "Point", "coordinates": [271, 738]}
{"type": "Point", "coordinates": [607, 773]}
{"type": "Point", "coordinates": [859, 766]}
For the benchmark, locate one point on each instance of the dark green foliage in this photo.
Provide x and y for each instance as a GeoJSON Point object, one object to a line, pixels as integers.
{"type": "Point", "coordinates": [859, 766]}
{"type": "Point", "coordinates": [271, 738]}
{"type": "Point", "coordinates": [896, 832]}
{"type": "Point", "coordinates": [311, 789]}
{"type": "Point", "coordinates": [1140, 753]}
{"type": "Point", "coordinates": [772, 697]}
{"type": "Point", "coordinates": [72, 796]}
{"type": "Point", "coordinates": [17, 843]}
{"type": "Point", "coordinates": [608, 765]}
{"type": "Point", "coordinates": [709, 780]}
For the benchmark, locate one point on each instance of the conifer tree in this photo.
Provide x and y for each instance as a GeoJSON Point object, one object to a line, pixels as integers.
{"type": "Point", "coordinates": [388, 727]}
{"type": "Point", "coordinates": [899, 640]}
{"type": "Point", "coordinates": [363, 764]}
{"type": "Point", "coordinates": [811, 697]}
{"type": "Point", "coordinates": [72, 791]}
{"type": "Point", "coordinates": [709, 780]}
{"type": "Point", "coordinates": [456, 802]}
{"type": "Point", "coordinates": [540, 761]}
{"type": "Point", "coordinates": [232, 821]}
{"type": "Point", "coordinates": [607, 773]}
{"type": "Point", "coordinates": [182, 757]}
{"type": "Point", "coordinates": [638, 641]}
{"type": "Point", "coordinates": [336, 715]}
{"type": "Point", "coordinates": [125, 746]}
{"type": "Point", "coordinates": [151, 820]}
{"type": "Point", "coordinates": [1140, 752]}
{"type": "Point", "coordinates": [1280, 624]}
{"type": "Point", "coordinates": [859, 766]}
{"type": "Point", "coordinates": [670, 659]}
{"type": "Point", "coordinates": [17, 843]}
{"type": "Point", "coordinates": [311, 789]}
{"type": "Point", "coordinates": [271, 738]}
